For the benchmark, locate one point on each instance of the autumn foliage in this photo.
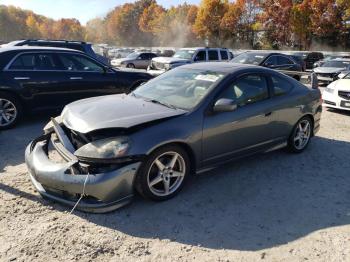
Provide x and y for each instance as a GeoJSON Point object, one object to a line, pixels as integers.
{"type": "Point", "coordinates": [298, 24]}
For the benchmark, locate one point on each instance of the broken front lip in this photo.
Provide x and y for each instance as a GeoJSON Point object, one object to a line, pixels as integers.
{"type": "Point", "coordinates": [113, 189]}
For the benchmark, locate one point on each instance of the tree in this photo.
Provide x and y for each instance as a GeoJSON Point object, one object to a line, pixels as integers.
{"type": "Point", "coordinates": [208, 21]}
{"type": "Point", "coordinates": [301, 23]}
{"type": "Point", "coordinates": [275, 17]}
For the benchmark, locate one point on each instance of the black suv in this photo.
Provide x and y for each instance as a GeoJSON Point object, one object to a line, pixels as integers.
{"type": "Point", "coordinates": [276, 61]}
{"type": "Point", "coordinates": [76, 45]}
{"type": "Point", "coordinates": [42, 78]}
{"type": "Point", "coordinates": [310, 58]}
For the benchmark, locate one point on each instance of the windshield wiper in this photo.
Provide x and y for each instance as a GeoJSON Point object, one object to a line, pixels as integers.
{"type": "Point", "coordinates": [162, 103]}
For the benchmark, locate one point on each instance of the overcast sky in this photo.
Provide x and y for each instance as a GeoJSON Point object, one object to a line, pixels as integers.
{"type": "Point", "coordinates": [83, 10]}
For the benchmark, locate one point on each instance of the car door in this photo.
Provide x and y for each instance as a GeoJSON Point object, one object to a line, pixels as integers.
{"type": "Point", "coordinates": [245, 130]}
{"type": "Point", "coordinates": [40, 77]}
{"type": "Point", "coordinates": [142, 61]}
{"type": "Point", "coordinates": [85, 77]}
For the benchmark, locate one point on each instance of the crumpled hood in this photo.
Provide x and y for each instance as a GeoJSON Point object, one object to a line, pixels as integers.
{"type": "Point", "coordinates": [328, 70]}
{"type": "Point", "coordinates": [113, 111]}
{"type": "Point", "coordinates": [170, 60]}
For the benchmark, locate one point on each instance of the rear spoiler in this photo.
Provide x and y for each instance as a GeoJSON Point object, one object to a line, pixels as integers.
{"type": "Point", "coordinates": [307, 78]}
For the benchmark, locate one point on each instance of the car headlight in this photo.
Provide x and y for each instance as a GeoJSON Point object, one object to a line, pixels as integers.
{"type": "Point", "coordinates": [330, 89]}
{"type": "Point", "coordinates": [106, 149]}
{"type": "Point", "coordinates": [167, 66]}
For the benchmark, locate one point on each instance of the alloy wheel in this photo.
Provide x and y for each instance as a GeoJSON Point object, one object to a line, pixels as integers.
{"type": "Point", "coordinates": [302, 134]}
{"type": "Point", "coordinates": [8, 112]}
{"type": "Point", "coordinates": [166, 174]}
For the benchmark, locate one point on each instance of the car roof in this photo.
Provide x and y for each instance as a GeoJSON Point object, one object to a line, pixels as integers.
{"type": "Point", "coordinates": [36, 48]}
{"type": "Point", "coordinates": [224, 67]}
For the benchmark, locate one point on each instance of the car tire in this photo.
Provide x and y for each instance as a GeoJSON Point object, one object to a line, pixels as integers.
{"type": "Point", "coordinates": [130, 65]}
{"type": "Point", "coordinates": [163, 174]}
{"type": "Point", "coordinates": [301, 135]}
{"type": "Point", "coordinates": [10, 110]}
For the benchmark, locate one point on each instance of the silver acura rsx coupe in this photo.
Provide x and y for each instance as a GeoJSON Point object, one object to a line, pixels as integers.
{"type": "Point", "coordinates": [150, 141]}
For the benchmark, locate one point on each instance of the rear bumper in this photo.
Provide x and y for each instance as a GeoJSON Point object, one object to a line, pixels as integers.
{"type": "Point", "coordinates": [104, 192]}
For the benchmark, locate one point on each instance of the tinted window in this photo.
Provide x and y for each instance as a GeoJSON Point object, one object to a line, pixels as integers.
{"type": "Point", "coordinates": [247, 90]}
{"type": "Point", "coordinates": [36, 62]}
{"type": "Point", "coordinates": [224, 55]}
{"type": "Point", "coordinates": [272, 60]}
{"type": "Point", "coordinates": [24, 62]}
{"type": "Point", "coordinates": [79, 63]}
{"type": "Point", "coordinates": [280, 86]}
{"type": "Point", "coordinates": [282, 60]}
{"type": "Point", "coordinates": [144, 56]}
{"type": "Point", "coordinates": [201, 56]}
{"type": "Point", "coordinates": [213, 55]}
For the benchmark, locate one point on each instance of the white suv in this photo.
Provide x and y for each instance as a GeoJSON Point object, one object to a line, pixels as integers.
{"type": "Point", "coordinates": [190, 55]}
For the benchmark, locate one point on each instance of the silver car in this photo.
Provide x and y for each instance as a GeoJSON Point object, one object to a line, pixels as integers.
{"type": "Point", "coordinates": [139, 60]}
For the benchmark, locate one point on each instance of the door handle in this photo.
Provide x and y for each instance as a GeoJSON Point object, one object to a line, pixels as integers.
{"type": "Point", "coordinates": [76, 78]}
{"type": "Point", "coordinates": [21, 78]}
{"type": "Point", "coordinates": [268, 114]}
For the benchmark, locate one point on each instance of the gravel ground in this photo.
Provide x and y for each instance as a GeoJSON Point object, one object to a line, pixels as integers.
{"type": "Point", "coordinates": [272, 207]}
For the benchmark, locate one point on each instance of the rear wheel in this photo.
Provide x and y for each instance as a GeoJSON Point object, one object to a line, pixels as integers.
{"type": "Point", "coordinates": [301, 135]}
{"type": "Point", "coordinates": [163, 174]}
{"type": "Point", "coordinates": [10, 110]}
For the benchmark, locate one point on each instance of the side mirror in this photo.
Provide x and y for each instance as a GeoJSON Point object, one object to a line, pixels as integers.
{"type": "Point", "coordinates": [224, 105]}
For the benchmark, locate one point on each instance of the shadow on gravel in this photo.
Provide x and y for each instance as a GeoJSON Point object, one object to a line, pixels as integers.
{"type": "Point", "coordinates": [257, 203]}
{"type": "Point", "coordinates": [14, 141]}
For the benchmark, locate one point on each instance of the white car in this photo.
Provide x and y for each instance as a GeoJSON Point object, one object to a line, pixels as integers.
{"type": "Point", "coordinates": [337, 94]}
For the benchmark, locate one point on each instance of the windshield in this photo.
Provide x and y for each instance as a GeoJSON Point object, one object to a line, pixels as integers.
{"type": "Point", "coordinates": [337, 64]}
{"type": "Point", "coordinates": [179, 88]}
{"type": "Point", "coordinates": [249, 58]}
{"type": "Point", "coordinates": [132, 55]}
{"type": "Point", "coordinates": [184, 54]}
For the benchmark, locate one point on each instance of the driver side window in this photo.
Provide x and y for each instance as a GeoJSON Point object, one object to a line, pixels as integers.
{"type": "Point", "coordinates": [247, 89]}
{"type": "Point", "coordinates": [79, 63]}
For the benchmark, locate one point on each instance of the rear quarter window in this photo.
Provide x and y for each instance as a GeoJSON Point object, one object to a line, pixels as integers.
{"type": "Point", "coordinates": [280, 86]}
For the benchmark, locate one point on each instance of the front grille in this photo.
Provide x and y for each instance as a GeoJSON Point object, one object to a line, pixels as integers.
{"type": "Point", "coordinates": [344, 94]}
{"type": "Point", "coordinates": [329, 102]}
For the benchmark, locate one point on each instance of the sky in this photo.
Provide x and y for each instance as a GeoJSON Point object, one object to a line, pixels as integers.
{"type": "Point", "coordinates": [83, 10]}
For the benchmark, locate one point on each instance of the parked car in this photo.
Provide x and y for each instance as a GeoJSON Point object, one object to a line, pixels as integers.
{"type": "Point", "coordinates": [329, 71]}
{"type": "Point", "coordinates": [39, 78]}
{"type": "Point", "coordinates": [271, 60]}
{"type": "Point", "coordinates": [310, 58]}
{"type": "Point", "coordinates": [187, 120]}
{"type": "Point", "coordinates": [189, 55]}
{"type": "Point", "coordinates": [75, 45]}
{"type": "Point", "coordinates": [134, 60]}
{"type": "Point", "coordinates": [337, 94]}
{"type": "Point", "coordinates": [330, 57]}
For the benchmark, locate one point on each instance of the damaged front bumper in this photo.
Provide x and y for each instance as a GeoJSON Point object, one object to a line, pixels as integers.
{"type": "Point", "coordinates": [63, 182]}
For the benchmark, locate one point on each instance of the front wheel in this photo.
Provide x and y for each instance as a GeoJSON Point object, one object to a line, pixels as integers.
{"type": "Point", "coordinates": [163, 174]}
{"type": "Point", "coordinates": [130, 66]}
{"type": "Point", "coordinates": [301, 135]}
